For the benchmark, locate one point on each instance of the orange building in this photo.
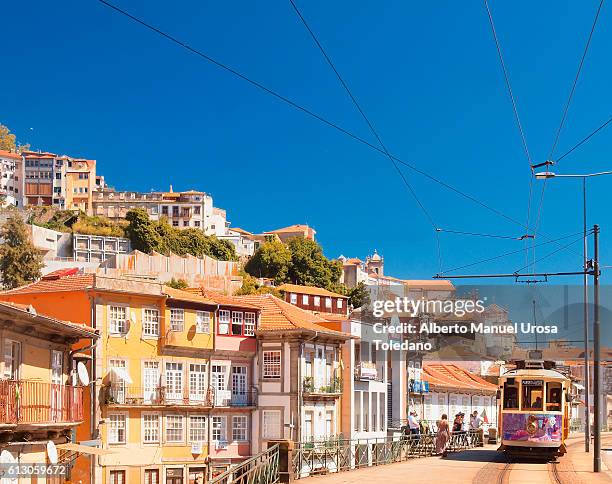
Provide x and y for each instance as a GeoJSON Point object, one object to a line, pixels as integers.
{"type": "Point", "coordinates": [166, 405]}
{"type": "Point", "coordinates": [80, 177]}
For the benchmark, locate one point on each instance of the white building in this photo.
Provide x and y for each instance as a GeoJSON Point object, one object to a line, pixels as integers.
{"type": "Point", "coordinates": [11, 179]}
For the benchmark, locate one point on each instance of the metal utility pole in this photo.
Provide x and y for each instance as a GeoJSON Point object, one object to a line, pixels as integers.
{"type": "Point", "coordinates": [587, 372]}
{"type": "Point", "coordinates": [596, 355]}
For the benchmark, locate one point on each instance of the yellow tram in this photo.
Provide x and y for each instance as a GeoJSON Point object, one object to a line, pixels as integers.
{"type": "Point", "coordinates": [534, 405]}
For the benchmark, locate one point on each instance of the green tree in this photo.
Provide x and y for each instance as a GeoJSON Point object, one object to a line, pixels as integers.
{"type": "Point", "coordinates": [310, 267]}
{"type": "Point", "coordinates": [359, 296]}
{"type": "Point", "coordinates": [177, 283]}
{"type": "Point", "coordinates": [20, 262]}
{"type": "Point", "coordinates": [8, 141]}
{"type": "Point", "coordinates": [272, 260]}
{"type": "Point", "coordinates": [143, 232]}
{"type": "Point", "coordinates": [250, 286]}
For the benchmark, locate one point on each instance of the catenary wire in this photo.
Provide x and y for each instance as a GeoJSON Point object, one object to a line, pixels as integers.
{"type": "Point", "coordinates": [517, 119]}
{"type": "Point", "coordinates": [505, 254]}
{"type": "Point", "coordinates": [584, 140]}
{"type": "Point", "coordinates": [558, 249]}
{"type": "Point", "coordinates": [564, 117]}
{"type": "Point", "coordinates": [478, 234]}
{"type": "Point", "coordinates": [370, 126]}
{"type": "Point", "coordinates": [315, 115]}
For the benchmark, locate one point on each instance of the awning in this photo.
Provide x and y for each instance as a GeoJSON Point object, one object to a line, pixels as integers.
{"type": "Point", "coordinates": [578, 386]}
{"type": "Point", "coordinates": [84, 449]}
{"type": "Point", "coordinates": [122, 374]}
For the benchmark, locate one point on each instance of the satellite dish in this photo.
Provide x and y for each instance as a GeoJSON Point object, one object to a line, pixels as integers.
{"type": "Point", "coordinates": [83, 375]}
{"type": "Point", "coordinates": [52, 452]}
{"type": "Point", "coordinates": [7, 458]}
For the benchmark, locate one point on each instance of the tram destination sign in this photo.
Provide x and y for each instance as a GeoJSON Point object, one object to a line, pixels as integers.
{"type": "Point", "coordinates": [533, 383]}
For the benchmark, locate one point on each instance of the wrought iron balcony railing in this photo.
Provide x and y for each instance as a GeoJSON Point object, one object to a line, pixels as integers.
{"type": "Point", "coordinates": [35, 402]}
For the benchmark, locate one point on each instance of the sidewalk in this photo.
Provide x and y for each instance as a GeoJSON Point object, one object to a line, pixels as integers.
{"type": "Point", "coordinates": [581, 463]}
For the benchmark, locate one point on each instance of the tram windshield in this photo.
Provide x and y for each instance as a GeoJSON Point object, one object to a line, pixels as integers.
{"type": "Point", "coordinates": [533, 395]}
{"type": "Point", "coordinates": [553, 396]}
{"type": "Point", "coordinates": [511, 396]}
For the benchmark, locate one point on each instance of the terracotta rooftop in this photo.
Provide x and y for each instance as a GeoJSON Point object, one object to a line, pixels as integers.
{"type": "Point", "coordinates": [191, 296]}
{"type": "Point", "coordinates": [67, 327]}
{"type": "Point", "coordinates": [9, 154]}
{"type": "Point", "coordinates": [222, 299]}
{"type": "Point", "coordinates": [278, 315]}
{"type": "Point", "coordinates": [291, 228]}
{"type": "Point", "coordinates": [53, 283]}
{"type": "Point", "coordinates": [443, 376]}
{"type": "Point", "coordinates": [311, 290]}
{"type": "Point", "coordinates": [352, 261]}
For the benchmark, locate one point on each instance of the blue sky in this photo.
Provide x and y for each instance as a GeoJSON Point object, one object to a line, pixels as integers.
{"type": "Point", "coordinates": [82, 80]}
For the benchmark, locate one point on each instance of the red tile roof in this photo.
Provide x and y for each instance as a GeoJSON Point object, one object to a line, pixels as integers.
{"type": "Point", "coordinates": [278, 315]}
{"type": "Point", "coordinates": [61, 284]}
{"type": "Point", "coordinates": [9, 154]}
{"type": "Point", "coordinates": [445, 376]}
{"type": "Point", "coordinates": [222, 299]}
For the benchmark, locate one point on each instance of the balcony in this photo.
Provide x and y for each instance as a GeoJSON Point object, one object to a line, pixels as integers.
{"type": "Point", "coordinates": [229, 398]}
{"type": "Point", "coordinates": [118, 394]}
{"type": "Point", "coordinates": [367, 371]}
{"type": "Point", "coordinates": [37, 403]}
{"type": "Point", "coordinates": [314, 388]}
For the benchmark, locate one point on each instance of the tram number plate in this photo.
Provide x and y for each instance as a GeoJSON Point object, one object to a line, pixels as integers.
{"type": "Point", "coordinates": [533, 383]}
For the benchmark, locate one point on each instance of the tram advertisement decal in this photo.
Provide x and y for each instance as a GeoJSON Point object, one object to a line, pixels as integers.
{"type": "Point", "coordinates": [532, 427]}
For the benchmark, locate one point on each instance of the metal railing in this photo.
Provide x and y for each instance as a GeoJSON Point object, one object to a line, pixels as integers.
{"type": "Point", "coordinates": [118, 394]}
{"type": "Point", "coordinates": [333, 387]}
{"type": "Point", "coordinates": [34, 402]}
{"type": "Point", "coordinates": [259, 469]}
{"type": "Point", "coordinates": [313, 458]}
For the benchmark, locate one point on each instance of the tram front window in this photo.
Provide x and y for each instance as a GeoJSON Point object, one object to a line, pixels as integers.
{"type": "Point", "coordinates": [553, 396]}
{"type": "Point", "coordinates": [510, 396]}
{"type": "Point", "coordinates": [533, 395]}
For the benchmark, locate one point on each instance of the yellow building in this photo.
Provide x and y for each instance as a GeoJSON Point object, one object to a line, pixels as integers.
{"type": "Point", "coordinates": [167, 408]}
{"type": "Point", "coordinates": [80, 178]}
{"type": "Point", "coordinates": [40, 401]}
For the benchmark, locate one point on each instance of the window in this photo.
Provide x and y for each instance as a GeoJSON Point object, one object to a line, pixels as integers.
{"type": "Point", "coordinates": [308, 417]}
{"type": "Point", "coordinates": [328, 302]}
{"type": "Point", "coordinates": [317, 300]}
{"type": "Point", "coordinates": [117, 477]}
{"type": "Point", "coordinates": [151, 476]}
{"type": "Point", "coordinates": [239, 428]}
{"type": "Point", "coordinates": [533, 395]}
{"type": "Point", "coordinates": [339, 303]}
{"type": "Point", "coordinates": [175, 223]}
{"type": "Point", "coordinates": [271, 424]}
{"type": "Point", "coordinates": [150, 428]}
{"type": "Point", "coordinates": [174, 428]}
{"type": "Point", "coordinates": [197, 429]}
{"type": "Point", "coordinates": [305, 299]}
{"type": "Point", "coordinates": [185, 223]}
{"type": "Point", "coordinates": [174, 381]}
{"type": "Point", "coordinates": [553, 396]}
{"type": "Point", "coordinates": [12, 359]}
{"type": "Point", "coordinates": [293, 298]}
{"type": "Point", "coordinates": [150, 323]}
{"type": "Point", "coordinates": [203, 322]}
{"type": "Point", "coordinates": [272, 364]}
{"type": "Point", "coordinates": [175, 211]}
{"type": "Point", "coordinates": [164, 210]}
{"type": "Point", "coordinates": [117, 320]}
{"type": "Point", "coordinates": [197, 223]}
{"type": "Point", "coordinates": [177, 319]}
{"type": "Point", "coordinates": [116, 428]}
{"type": "Point", "coordinates": [510, 395]}
{"type": "Point", "coordinates": [329, 423]}
{"type": "Point", "coordinates": [237, 322]}
{"type": "Point", "coordinates": [249, 324]}
{"type": "Point", "coordinates": [197, 382]}
{"type": "Point", "coordinates": [224, 319]}
{"type": "Point", "coordinates": [218, 429]}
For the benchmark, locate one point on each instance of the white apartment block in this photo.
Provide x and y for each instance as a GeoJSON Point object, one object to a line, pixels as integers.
{"type": "Point", "coordinates": [11, 179]}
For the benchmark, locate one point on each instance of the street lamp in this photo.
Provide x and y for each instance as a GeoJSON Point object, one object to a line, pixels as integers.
{"type": "Point", "coordinates": [545, 175]}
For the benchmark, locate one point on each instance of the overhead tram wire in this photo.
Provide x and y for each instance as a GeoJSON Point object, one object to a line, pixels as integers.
{"type": "Point", "coordinates": [584, 140]}
{"type": "Point", "coordinates": [478, 234]}
{"type": "Point", "coordinates": [517, 119]}
{"type": "Point", "coordinates": [371, 127]}
{"type": "Point", "coordinates": [565, 111]}
{"type": "Point", "coordinates": [505, 254]}
{"type": "Point", "coordinates": [557, 250]}
{"type": "Point", "coordinates": [311, 113]}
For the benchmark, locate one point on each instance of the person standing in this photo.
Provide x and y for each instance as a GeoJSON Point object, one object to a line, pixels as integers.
{"type": "Point", "coordinates": [443, 436]}
{"type": "Point", "coordinates": [413, 423]}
